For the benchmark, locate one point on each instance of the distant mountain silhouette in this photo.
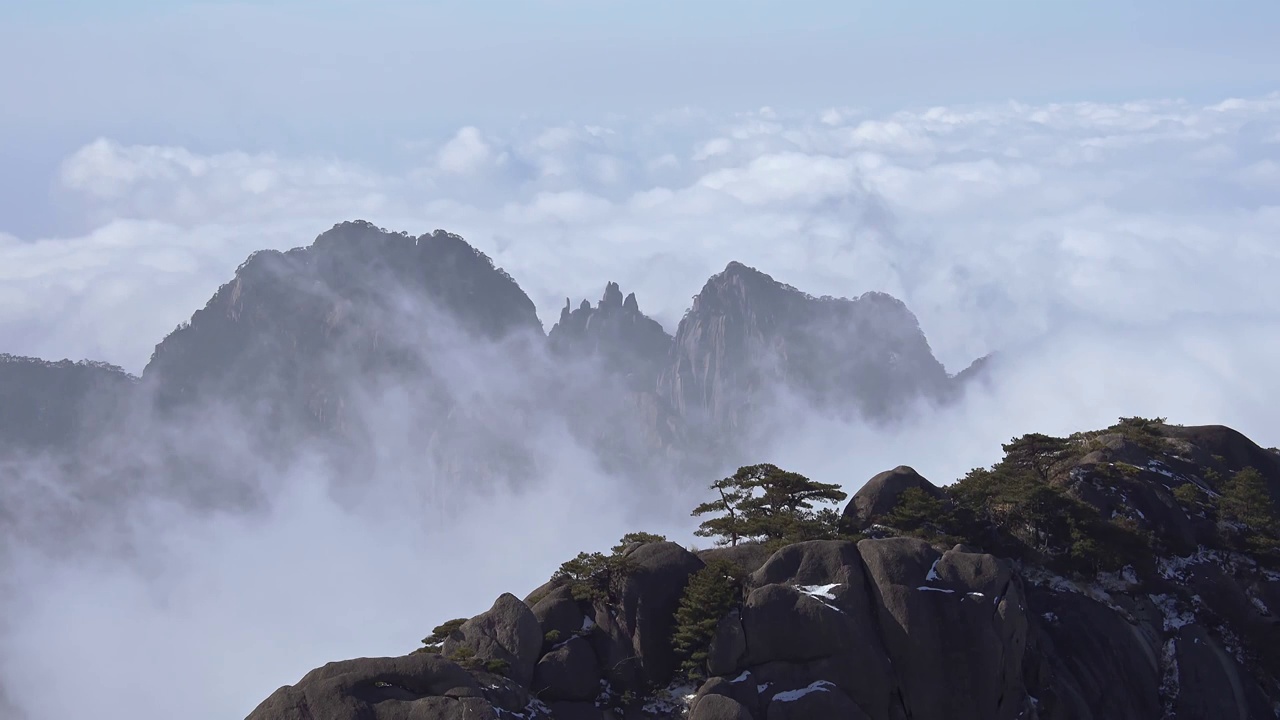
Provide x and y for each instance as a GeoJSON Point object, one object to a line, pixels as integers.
{"type": "Point", "coordinates": [290, 329]}
{"type": "Point", "coordinates": [296, 340]}
{"type": "Point", "coordinates": [53, 406]}
{"type": "Point", "coordinates": [748, 335]}
{"type": "Point", "coordinates": [628, 342]}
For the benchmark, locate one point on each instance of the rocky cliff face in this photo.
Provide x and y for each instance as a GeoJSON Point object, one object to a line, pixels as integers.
{"type": "Point", "coordinates": [749, 338]}
{"type": "Point", "coordinates": [902, 625]}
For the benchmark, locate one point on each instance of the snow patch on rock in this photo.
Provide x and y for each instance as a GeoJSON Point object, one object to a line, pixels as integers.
{"type": "Point", "coordinates": [793, 695]}
{"type": "Point", "coordinates": [671, 701]}
{"type": "Point", "coordinates": [1174, 616]}
{"type": "Point", "coordinates": [819, 591]}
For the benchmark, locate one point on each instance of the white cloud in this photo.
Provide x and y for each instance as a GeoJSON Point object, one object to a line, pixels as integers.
{"type": "Point", "coordinates": [712, 148]}
{"type": "Point", "coordinates": [1121, 255]}
{"type": "Point", "coordinates": [114, 293]}
{"type": "Point", "coordinates": [790, 178]}
{"type": "Point", "coordinates": [172, 184]}
{"type": "Point", "coordinates": [466, 153]}
{"type": "Point", "coordinates": [106, 169]}
{"type": "Point", "coordinates": [221, 608]}
{"type": "Point", "coordinates": [1127, 205]}
{"type": "Point", "coordinates": [890, 136]}
{"type": "Point", "coordinates": [555, 208]}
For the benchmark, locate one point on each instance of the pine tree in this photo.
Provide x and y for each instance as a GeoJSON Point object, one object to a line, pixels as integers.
{"type": "Point", "coordinates": [1246, 500]}
{"type": "Point", "coordinates": [917, 510]}
{"type": "Point", "coordinates": [594, 576]}
{"type": "Point", "coordinates": [637, 537]}
{"type": "Point", "coordinates": [732, 525]}
{"type": "Point", "coordinates": [786, 494]}
{"type": "Point", "coordinates": [764, 501]}
{"type": "Point", "coordinates": [1036, 452]}
{"type": "Point", "coordinates": [711, 593]}
{"type": "Point", "coordinates": [435, 641]}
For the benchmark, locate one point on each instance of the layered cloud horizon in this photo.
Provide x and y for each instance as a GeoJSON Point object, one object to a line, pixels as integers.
{"type": "Point", "coordinates": [1119, 256]}
{"type": "Point", "coordinates": [994, 223]}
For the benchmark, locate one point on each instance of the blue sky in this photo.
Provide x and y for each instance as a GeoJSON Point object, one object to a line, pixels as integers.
{"type": "Point", "coordinates": [505, 56]}
{"type": "Point", "coordinates": [360, 78]}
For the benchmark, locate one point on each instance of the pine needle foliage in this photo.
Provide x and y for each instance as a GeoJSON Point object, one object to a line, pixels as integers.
{"type": "Point", "coordinates": [711, 593]}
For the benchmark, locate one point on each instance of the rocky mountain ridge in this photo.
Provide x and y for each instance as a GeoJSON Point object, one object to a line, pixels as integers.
{"type": "Point", "coordinates": [748, 335]}
{"type": "Point", "coordinates": [1130, 572]}
{"type": "Point", "coordinates": [297, 342]}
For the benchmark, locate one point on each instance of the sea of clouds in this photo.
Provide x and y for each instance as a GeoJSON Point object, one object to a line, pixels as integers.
{"type": "Point", "coordinates": [1120, 257]}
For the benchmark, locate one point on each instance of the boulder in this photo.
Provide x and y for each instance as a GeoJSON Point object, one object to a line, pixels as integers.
{"type": "Point", "coordinates": [843, 672]}
{"type": "Point", "coordinates": [651, 595]}
{"type": "Point", "coordinates": [741, 689]}
{"type": "Point", "coordinates": [569, 672]}
{"type": "Point", "coordinates": [728, 646]}
{"type": "Point", "coordinates": [718, 707]}
{"type": "Point", "coordinates": [793, 636]}
{"type": "Point", "coordinates": [612, 642]}
{"type": "Point", "coordinates": [819, 699]}
{"type": "Point", "coordinates": [557, 612]}
{"type": "Point", "coordinates": [508, 631]}
{"type": "Point", "coordinates": [1236, 450]}
{"type": "Point", "coordinates": [782, 623]}
{"type": "Point", "coordinates": [878, 497]}
{"type": "Point", "coordinates": [421, 686]}
{"type": "Point", "coordinates": [817, 562]}
{"type": "Point", "coordinates": [542, 591]}
{"type": "Point", "coordinates": [955, 627]}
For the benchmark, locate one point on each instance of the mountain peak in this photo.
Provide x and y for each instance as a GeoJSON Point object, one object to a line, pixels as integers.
{"type": "Point", "coordinates": [358, 293]}
{"type": "Point", "coordinates": [747, 332]}
{"type": "Point", "coordinates": [612, 296]}
{"type": "Point", "coordinates": [291, 329]}
{"type": "Point", "coordinates": [615, 329]}
{"type": "Point", "coordinates": [736, 271]}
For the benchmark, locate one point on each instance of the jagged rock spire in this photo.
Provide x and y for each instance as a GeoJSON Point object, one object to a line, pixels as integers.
{"type": "Point", "coordinates": [612, 296]}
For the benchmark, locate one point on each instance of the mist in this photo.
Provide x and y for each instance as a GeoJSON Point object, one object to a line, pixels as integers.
{"type": "Point", "coordinates": [1117, 257]}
